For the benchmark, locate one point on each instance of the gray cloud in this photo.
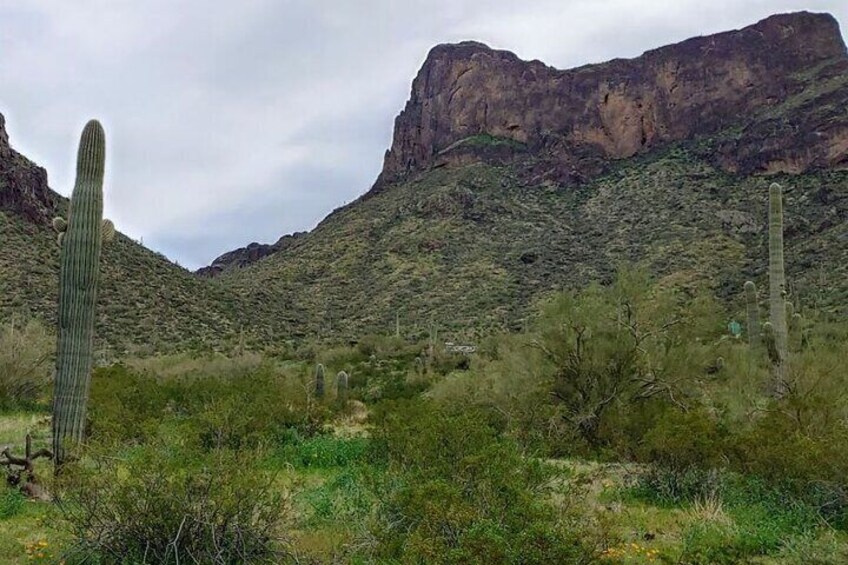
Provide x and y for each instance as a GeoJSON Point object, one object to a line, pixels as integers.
{"type": "Point", "coordinates": [231, 122]}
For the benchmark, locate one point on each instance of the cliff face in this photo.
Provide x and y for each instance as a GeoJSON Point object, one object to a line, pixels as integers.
{"type": "Point", "coordinates": [470, 101]}
{"type": "Point", "coordinates": [23, 184]}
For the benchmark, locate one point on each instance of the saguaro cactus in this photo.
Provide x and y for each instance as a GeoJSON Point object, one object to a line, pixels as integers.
{"type": "Point", "coordinates": [777, 288]}
{"type": "Point", "coordinates": [78, 281]}
{"type": "Point", "coordinates": [753, 314]}
{"type": "Point", "coordinates": [319, 381]}
{"type": "Point", "coordinates": [341, 386]}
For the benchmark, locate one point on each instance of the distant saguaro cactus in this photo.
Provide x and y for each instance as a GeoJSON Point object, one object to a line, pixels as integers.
{"type": "Point", "coordinates": [342, 386]}
{"type": "Point", "coordinates": [319, 381]}
{"type": "Point", "coordinates": [81, 239]}
{"type": "Point", "coordinates": [753, 308]}
{"type": "Point", "coordinates": [768, 340]}
{"type": "Point", "coordinates": [777, 289]}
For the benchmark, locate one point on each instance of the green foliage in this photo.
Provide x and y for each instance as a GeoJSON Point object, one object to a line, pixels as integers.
{"type": "Point", "coordinates": [11, 502]}
{"type": "Point", "coordinates": [173, 506]}
{"type": "Point", "coordinates": [673, 487]}
{"type": "Point", "coordinates": [239, 411]}
{"type": "Point", "coordinates": [681, 440]}
{"type": "Point", "coordinates": [459, 492]}
{"type": "Point", "coordinates": [761, 520]}
{"type": "Point", "coordinates": [321, 452]}
{"type": "Point", "coordinates": [626, 343]}
{"type": "Point", "coordinates": [345, 498]}
{"type": "Point", "coordinates": [26, 349]}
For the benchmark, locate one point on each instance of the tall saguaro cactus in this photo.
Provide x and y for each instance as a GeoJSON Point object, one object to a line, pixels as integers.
{"type": "Point", "coordinates": [342, 387]}
{"type": "Point", "coordinates": [753, 314]}
{"type": "Point", "coordinates": [81, 241]}
{"type": "Point", "coordinates": [319, 381]}
{"type": "Point", "coordinates": [777, 288]}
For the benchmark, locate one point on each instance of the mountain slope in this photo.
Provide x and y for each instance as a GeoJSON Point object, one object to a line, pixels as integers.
{"type": "Point", "coordinates": [146, 303]}
{"type": "Point", "coordinates": [507, 179]}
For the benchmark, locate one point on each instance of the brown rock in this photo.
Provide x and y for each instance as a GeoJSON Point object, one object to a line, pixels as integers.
{"type": "Point", "coordinates": [23, 184]}
{"type": "Point", "coordinates": [468, 95]}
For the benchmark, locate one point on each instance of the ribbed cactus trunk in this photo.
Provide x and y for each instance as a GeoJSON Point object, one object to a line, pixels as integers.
{"type": "Point", "coordinates": [777, 289]}
{"type": "Point", "coordinates": [319, 381]}
{"type": "Point", "coordinates": [753, 314]}
{"type": "Point", "coordinates": [341, 387]}
{"type": "Point", "coordinates": [78, 282]}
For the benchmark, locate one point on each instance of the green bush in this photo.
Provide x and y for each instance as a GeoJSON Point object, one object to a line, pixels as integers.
{"type": "Point", "coordinates": [11, 503]}
{"type": "Point", "coordinates": [457, 491]}
{"type": "Point", "coordinates": [673, 487]}
{"type": "Point", "coordinates": [238, 412]}
{"type": "Point", "coordinates": [321, 452]}
{"type": "Point", "coordinates": [26, 357]}
{"type": "Point", "coordinates": [682, 440]}
{"type": "Point", "coordinates": [161, 505]}
{"type": "Point", "coordinates": [345, 498]}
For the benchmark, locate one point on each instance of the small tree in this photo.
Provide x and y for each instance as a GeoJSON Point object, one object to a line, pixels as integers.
{"type": "Point", "coordinates": [626, 342]}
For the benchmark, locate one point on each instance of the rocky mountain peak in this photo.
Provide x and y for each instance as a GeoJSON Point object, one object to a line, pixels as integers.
{"type": "Point", "coordinates": [471, 101]}
{"type": "Point", "coordinates": [23, 184]}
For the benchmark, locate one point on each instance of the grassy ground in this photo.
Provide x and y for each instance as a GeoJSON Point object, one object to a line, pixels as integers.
{"type": "Point", "coordinates": [325, 477]}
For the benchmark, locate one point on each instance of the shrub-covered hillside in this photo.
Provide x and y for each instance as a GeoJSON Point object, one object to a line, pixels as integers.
{"type": "Point", "coordinates": [471, 249]}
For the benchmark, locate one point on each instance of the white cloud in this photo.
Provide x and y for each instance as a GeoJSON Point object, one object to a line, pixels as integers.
{"type": "Point", "coordinates": [230, 122]}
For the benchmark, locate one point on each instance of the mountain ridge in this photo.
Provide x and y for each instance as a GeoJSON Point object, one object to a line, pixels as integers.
{"type": "Point", "coordinates": [472, 235]}
{"type": "Point", "coordinates": [147, 303]}
{"type": "Point", "coordinates": [470, 103]}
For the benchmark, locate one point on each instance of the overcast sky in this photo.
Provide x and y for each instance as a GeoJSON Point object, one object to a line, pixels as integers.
{"type": "Point", "coordinates": [241, 120]}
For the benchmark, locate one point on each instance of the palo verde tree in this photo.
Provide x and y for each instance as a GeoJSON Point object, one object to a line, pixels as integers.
{"type": "Point", "coordinates": [623, 343]}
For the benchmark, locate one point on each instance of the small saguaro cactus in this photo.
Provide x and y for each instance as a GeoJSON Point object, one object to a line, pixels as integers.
{"type": "Point", "coordinates": [319, 381]}
{"type": "Point", "coordinates": [341, 386]}
{"type": "Point", "coordinates": [81, 238]}
{"type": "Point", "coordinates": [753, 309]}
{"type": "Point", "coordinates": [777, 289]}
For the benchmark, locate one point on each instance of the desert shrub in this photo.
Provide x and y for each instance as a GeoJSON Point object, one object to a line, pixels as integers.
{"type": "Point", "coordinates": [615, 347]}
{"type": "Point", "coordinates": [682, 440]}
{"type": "Point", "coordinates": [457, 491]}
{"type": "Point", "coordinates": [237, 412]}
{"type": "Point", "coordinates": [321, 451]}
{"type": "Point", "coordinates": [26, 351]}
{"type": "Point", "coordinates": [510, 379]}
{"type": "Point", "coordinates": [383, 346]}
{"type": "Point", "coordinates": [198, 365]}
{"type": "Point", "coordinates": [11, 502]}
{"type": "Point", "coordinates": [124, 406]}
{"type": "Point", "coordinates": [163, 505]}
{"type": "Point", "coordinates": [345, 498]}
{"type": "Point", "coordinates": [673, 487]}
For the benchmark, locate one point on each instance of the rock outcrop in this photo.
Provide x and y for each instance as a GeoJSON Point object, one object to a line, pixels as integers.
{"type": "Point", "coordinates": [23, 184]}
{"type": "Point", "coordinates": [746, 87]}
{"type": "Point", "coordinates": [239, 258]}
